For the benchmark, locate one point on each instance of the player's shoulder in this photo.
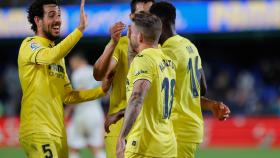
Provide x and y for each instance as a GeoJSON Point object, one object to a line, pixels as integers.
{"type": "Point", "coordinates": [28, 40]}
{"type": "Point", "coordinates": [178, 40]}
{"type": "Point", "coordinates": [123, 42]}
{"type": "Point", "coordinates": [184, 41]}
{"type": "Point", "coordinates": [149, 53]}
{"type": "Point", "coordinates": [122, 47]}
{"type": "Point", "coordinates": [150, 56]}
{"type": "Point", "coordinates": [142, 58]}
{"type": "Point", "coordinates": [31, 42]}
{"type": "Point", "coordinates": [124, 39]}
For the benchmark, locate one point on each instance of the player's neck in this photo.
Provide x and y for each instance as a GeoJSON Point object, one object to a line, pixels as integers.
{"type": "Point", "coordinates": [143, 46]}
{"type": "Point", "coordinates": [41, 34]}
{"type": "Point", "coordinates": [167, 32]}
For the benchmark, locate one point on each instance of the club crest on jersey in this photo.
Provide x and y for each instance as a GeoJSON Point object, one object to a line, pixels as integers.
{"type": "Point", "coordinates": [34, 46]}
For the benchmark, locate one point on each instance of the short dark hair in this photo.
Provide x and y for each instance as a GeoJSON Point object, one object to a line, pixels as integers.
{"type": "Point", "coordinates": [165, 11]}
{"type": "Point", "coordinates": [133, 4]}
{"type": "Point", "coordinates": [36, 9]}
{"type": "Point", "coordinates": [150, 25]}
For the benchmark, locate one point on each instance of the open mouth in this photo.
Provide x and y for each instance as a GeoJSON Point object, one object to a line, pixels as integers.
{"type": "Point", "coordinates": [56, 29]}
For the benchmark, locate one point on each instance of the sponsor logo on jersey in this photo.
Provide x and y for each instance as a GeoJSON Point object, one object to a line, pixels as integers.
{"type": "Point", "coordinates": [141, 72]}
{"type": "Point", "coordinates": [56, 70]}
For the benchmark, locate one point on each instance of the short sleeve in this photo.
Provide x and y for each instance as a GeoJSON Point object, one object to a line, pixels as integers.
{"type": "Point", "coordinates": [116, 54]}
{"type": "Point", "coordinates": [141, 68]}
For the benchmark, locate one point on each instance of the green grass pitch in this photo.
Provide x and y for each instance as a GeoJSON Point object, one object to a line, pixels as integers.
{"type": "Point", "coordinates": [202, 153]}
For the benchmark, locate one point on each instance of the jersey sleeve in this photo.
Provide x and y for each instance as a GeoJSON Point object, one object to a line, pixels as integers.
{"type": "Point", "coordinates": [141, 68]}
{"type": "Point", "coordinates": [117, 53]}
{"type": "Point", "coordinates": [43, 55]}
{"type": "Point", "coordinates": [120, 48]}
{"type": "Point", "coordinates": [74, 97]}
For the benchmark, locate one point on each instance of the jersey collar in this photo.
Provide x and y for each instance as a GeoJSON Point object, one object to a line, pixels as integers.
{"type": "Point", "coordinates": [45, 41]}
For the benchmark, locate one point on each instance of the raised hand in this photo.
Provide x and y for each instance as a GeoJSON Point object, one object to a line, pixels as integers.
{"type": "Point", "coordinates": [116, 31]}
{"type": "Point", "coordinates": [83, 17]}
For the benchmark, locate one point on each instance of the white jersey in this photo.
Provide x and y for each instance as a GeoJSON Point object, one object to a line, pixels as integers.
{"type": "Point", "coordinates": [82, 78]}
{"type": "Point", "coordinates": [87, 126]}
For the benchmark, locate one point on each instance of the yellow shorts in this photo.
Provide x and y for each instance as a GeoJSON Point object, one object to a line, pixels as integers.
{"type": "Point", "coordinates": [111, 146]}
{"type": "Point", "coordinates": [44, 145]}
{"type": "Point", "coordinates": [186, 150]}
{"type": "Point", "coordinates": [134, 155]}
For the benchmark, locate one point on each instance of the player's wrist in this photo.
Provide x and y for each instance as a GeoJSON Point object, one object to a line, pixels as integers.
{"type": "Point", "coordinates": [120, 115]}
{"type": "Point", "coordinates": [81, 28]}
{"type": "Point", "coordinates": [114, 42]}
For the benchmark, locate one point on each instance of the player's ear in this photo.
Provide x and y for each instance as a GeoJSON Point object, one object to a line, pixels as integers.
{"type": "Point", "coordinates": [129, 31]}
{"type": "Point", "coordinates": [37, 21]}
{"type": "Point", "coordinates": [141, 37]}
{"type": "Point", "coordinates": [131, 15]}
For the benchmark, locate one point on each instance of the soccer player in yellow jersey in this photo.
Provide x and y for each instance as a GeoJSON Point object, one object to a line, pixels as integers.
{"type": "Point", "coordinates": [114, 61]}
{"type": "Point", "coordinates": [190, 84]}
{"type": "Point", "coordinates": [150, 84]}
{"type": "Point", "coordinates": [45, 84]}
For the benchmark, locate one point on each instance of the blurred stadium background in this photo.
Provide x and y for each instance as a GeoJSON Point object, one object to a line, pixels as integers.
{"type": "Point", "coordinates": [237, 40]}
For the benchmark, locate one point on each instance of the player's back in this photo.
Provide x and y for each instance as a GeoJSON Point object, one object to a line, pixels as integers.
{"type": "Point", "coordinates": [186, 114]}
{"type": "Point", "coordinates": [152, 134]}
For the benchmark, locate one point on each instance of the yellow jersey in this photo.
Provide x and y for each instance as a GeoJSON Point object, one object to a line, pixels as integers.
{"type": "Point", "coordinates": [45, 85]}
{"type": "Point", "coordinates": [118, 96]}
{"type": "Point", "coordinates": [186, 115]}
{"type": "Point", "coordinates": [152, 134]}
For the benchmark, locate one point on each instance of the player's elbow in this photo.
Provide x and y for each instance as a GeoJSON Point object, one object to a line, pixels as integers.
{"type": "Point", "coordinates": [97, 74]}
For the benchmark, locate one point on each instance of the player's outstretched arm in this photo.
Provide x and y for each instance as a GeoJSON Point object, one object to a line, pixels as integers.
{"type": "Point", "coordinates": [52, 55]}
{"type": "Point", "coordinates": [105, 64]}
{"type": "Point", "coordinates": [75, 96]}
{"type": "Point", "coordinates": [219, 109]}
{"type": "Point", "coordinates": [132, 111]}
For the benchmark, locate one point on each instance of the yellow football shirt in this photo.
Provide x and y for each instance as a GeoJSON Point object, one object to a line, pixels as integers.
{"type": "Point", "coordinates": [118, 95]}
{"type": "Point", "coordinates": [186, 115]}
{"type": "Point", "coordinates": [45, 85]}
{"type": "Point", "coordinates": [152, 134]}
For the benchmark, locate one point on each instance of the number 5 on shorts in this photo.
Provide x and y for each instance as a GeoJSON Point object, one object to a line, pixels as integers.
{"type": "Point", "coordinates": [47, 151]}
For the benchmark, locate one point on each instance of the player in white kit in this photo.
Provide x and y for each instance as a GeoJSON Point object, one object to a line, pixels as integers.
{"type": "Point", "coordinates": [87, 126]}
